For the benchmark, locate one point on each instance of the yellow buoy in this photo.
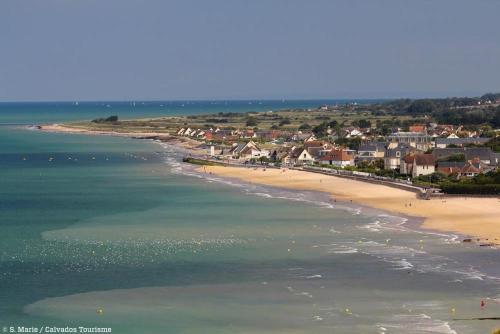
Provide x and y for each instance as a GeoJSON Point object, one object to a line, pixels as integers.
{"type": "Point", "coordinates": [100, 311]}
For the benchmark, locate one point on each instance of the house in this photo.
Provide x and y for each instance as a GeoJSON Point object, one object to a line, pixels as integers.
{"type": "Point", "coordinates": [441, 130]}
{"type": "Point", "coordinates": [280, 153]}
{"type": "Point", "coordinates": [298, 156]}
{"type": "Point", "coordinates": [393, 156]}
{"type": "Point", "coordinates": [310, 137]}
{"type": "Point", "coordinates": [371, 151]}
{"type": "Point", "coordinates": [300, 136]}
{"type": "Point", "coordinates": [421, 141]}
{"type": "Point", "coordinates": [269, 135]}
{"type": "Point", "coordinates": [208, 135]}
{"type": "Point", "coordinates": [418, 128]}
{"type": "Point", "coordinates": [484, 154]}
{"type": "Point", "coordinates": [248, 133]}
{"type": "Point", "coordinates": [450, 167]}
{"type": "Point", "coordinates": [470, 170]}
{"type": "Point", "coordinates": [418, 164]}
{"type": "Point", "coordinates": [316, 143]}
{"type": "Point", "coordinates": [423, 164]}
{"type": "Point", "coordinates": [247, 151]}
{"type": "Point", "coordinates": [352, 132]}
{"type": "Point", "coordinates": [445, 142]}
{"type": "Point", "coordinates": [406, 164]}
{"type": "Point", "coordinates": [339, 157]}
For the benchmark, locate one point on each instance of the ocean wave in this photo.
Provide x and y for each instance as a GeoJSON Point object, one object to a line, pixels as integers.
{"type": "Point", "coordinates": [408, 258]}
{"type": "Point", "coordinates": [415, 323]}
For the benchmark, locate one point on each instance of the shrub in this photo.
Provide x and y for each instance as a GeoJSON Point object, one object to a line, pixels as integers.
{"type": "Point", "coordinates": [110, 119]}
{"type": "Point", "coordinates": [285, 121]}
{"type": "Point", "coordinates": [470, 188]}
{"type": "Point", "coordinates": [251, 121]}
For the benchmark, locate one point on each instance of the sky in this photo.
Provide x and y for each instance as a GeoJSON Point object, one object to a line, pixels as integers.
{"type": "Point", "coordinates": [76, 50]}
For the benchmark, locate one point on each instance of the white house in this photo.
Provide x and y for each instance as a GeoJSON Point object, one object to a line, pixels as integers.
{"type": "Point", "coordinates": [247, 151]}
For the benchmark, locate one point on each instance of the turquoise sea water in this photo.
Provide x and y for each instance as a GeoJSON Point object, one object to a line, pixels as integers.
{"type": "Point", "coordinates": [115, 232]}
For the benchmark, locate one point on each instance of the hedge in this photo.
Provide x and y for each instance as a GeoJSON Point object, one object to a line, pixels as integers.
{"type": "Point", "coordinates": [467, 188]}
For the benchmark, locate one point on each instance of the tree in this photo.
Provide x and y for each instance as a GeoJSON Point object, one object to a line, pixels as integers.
{"type": "Point", "coordinates": [252, 121]}
{"type": "Point", "coordinates": [364, 123]}
{"type": "Point", "coordinates": [496, 119]}
{"type": "Point", "coordinates": [458, 157]}
{"type": "Point", "coordinates": [378, 163]}
{"type": "Point", "coordinates": [285, 121]}
{"type": "Point", "coordinates": [304, 127]}
{"type": "Point", "coordinates": [321, 130]}
{"type": "Point", "coordinates": [110, 119]}
{"type": "Point", "coordinates": [422, 107]}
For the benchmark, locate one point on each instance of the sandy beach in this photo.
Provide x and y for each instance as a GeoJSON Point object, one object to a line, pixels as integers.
{"type": "Point", "coordinates": [469, 216]}
{"type": "Point", "coordinates": [76, 130]}
{"type": "Point", "coordinates": [473, 217]}
{"type": "Point", "coordinates": [183, 142]}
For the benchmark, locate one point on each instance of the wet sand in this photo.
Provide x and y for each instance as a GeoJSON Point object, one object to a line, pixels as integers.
{"type": "Point", "coordinates": [469, 216]}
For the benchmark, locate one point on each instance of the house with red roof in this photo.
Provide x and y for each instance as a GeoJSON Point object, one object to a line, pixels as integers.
{"type": "Point", "coordinates": [338, 157]}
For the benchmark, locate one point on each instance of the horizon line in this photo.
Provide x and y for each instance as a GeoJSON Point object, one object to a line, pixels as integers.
{"type": "Point", "coordinates": [242, 99]}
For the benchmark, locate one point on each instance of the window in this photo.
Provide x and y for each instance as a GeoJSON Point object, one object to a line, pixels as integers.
{"type": "Point", "coordinates": [398, 154]}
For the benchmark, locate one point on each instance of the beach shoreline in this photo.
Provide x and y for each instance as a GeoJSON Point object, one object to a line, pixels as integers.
{"type": "Point", "coordinates": [460, 215]}
{"type": "Point", "coordinates": [456, 215]}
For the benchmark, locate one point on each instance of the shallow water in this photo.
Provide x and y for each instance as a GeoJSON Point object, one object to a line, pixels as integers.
{"type": "Point", "coordinates": [100, 223]}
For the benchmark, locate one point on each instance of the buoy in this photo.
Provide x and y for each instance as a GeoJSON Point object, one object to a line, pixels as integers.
{"type": "Point", "coordinates": [347, 311]}
{"type": "Point", "coordinates": [100, 311]}
{"type": "Point", "coordinates": [289, 250]}
{"type": "Point", "coordinates": [453, 310]}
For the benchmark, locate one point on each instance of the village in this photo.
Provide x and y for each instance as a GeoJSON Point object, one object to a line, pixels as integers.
{"type": "Point", "coordinates": [422, 150]}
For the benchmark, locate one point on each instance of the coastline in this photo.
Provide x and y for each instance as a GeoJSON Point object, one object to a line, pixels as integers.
{"type": "Point", "coordinates": [182, 142]}
{"type": "Point", "coordinates": [462, 215]}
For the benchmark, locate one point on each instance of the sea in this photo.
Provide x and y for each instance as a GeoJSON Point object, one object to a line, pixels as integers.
{"type": "Point", "coordinates": [111, 234]}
